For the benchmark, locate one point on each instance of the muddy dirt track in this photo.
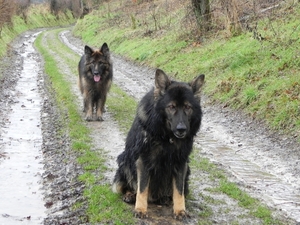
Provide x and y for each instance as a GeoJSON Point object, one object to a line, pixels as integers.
{"type": "Point", "coordinates": [42, 186]}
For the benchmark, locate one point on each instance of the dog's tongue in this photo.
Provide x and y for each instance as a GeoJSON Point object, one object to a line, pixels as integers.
{"type": "Point", "coordinates": [97, 78]}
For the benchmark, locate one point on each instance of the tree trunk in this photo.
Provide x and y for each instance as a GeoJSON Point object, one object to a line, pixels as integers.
{"type": "Point", "coordinates": [232, 14]}
{"type": "Point", "coordinates": [202, 11]}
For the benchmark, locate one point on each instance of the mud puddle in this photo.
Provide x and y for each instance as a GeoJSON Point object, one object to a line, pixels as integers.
{"type": "Point", "coordinates": [266, 167]}
{"type": "Point", "coordinates": [21, 167]}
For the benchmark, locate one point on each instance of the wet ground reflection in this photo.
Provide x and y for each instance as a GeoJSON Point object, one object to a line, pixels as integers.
{"type": "Point", "coordinates": [21, 199]}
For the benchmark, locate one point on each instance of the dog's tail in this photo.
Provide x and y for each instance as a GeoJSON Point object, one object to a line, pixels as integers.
{"type": "Point", "coordinates": [116, 187]}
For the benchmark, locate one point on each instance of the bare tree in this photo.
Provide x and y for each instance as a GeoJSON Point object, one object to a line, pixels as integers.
{"type": "Point", "coordinates": [7, 10]}
{"type": "Point", "coordinates": [232, 16]}
{"type": "Point", "coordinates": [74, 6]}
{"type": "Point", "coordinates": [202, 11]}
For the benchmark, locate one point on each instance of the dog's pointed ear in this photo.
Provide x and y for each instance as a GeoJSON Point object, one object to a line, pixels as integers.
{"type": "Point", "coordinates": [162, 81]}
{"type": "Point", "coordinates": [88, 51]}
{"type": "Point", "coordinates": [105, 50]}
{"type": "Point", "coordinates": [196, 85]}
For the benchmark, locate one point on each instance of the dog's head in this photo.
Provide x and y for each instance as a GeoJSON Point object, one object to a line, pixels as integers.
{"type": "Point", "coordinates": [180, 102]}
{"type": "Point", "coordinates": [97, 62]}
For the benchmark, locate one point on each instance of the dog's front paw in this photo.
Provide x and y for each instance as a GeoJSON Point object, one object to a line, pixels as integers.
{"type": "Point", "coordinates": [89, 118]}
{"type": "Point", "coordinates": [139, 213]}
{"type": "Point", "coordinates": [181, 214]}
{"type": "Point", "coordinates": [99, 118]}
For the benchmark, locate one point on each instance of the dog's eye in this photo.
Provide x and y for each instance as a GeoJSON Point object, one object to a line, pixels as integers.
{"type": "Point", "coordinates": [187, 107]}
{"type": "Point", "coordinates": [105, 64]}
{"type": "Point", "coordinates": [172, 107]}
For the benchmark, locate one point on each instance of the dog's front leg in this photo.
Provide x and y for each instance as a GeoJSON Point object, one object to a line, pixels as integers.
{"type": "Point", "coordinates": [178, 193]}
{"type": "Point", "coordinates": [99, 108]}
{"type": "Point", "coordinates": [141, 203]}
{"type": "Point", "coordinates": [88, 106]}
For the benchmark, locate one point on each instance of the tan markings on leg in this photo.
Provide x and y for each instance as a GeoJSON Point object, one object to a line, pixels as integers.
{"type": "Point", "coordinates": [99, 110]}
{"type": "Point", "coordinates": [102, 103]}
{"type": "Point", "coordinates": [108, 85]}
{"type": "Point", "coordinates": [141, 203]}
{"type": "Point", "coordinates": [100, 106]}
{"type": "Point", "coordinates": [79, 84]}
{"type": "Point", "coordinates": [83, 85]}
{"type": "Point", "coordinates": [89, 112]}
{"type": "Point", "coordinates": [179, 202]}
{"type": "Point", "coordinates": [87, 106]}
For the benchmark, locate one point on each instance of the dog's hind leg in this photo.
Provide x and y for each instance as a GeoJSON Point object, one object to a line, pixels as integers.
{"type": "Point", "coordinates": [141, 203]}
{"type": "Point", "coordinates": [84, 106]}
{"type": "Point", "coordinates": [129, 197]}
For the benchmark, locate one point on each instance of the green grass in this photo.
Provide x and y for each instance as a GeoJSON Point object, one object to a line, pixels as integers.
{"type": "Point", "coordinates": [102, 204]}
{"type": "Point", "coordinates": [259, 77]}
{"type": "Point", "coordinates": [234, 192]}
{"type": "Point", "coordinates": [122, 107]}
{"type": "Point", "coordinates": [257, 209]}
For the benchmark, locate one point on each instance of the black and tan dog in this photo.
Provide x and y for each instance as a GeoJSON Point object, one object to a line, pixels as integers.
{"type": "Point", "coordinates": [95, 78]}
{"type": "Point", "coordinates": [154, 166]}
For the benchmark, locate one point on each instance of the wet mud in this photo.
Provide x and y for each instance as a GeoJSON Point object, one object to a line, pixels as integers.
{"type": "Point", "coordinates": [21, 139]}
{"type": "Point", "coordinates": [265, 164]}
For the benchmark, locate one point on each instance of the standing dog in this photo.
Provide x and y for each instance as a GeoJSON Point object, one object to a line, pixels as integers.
{"type": "Point", "coordinates": [154, 166]}
{"type": "Point", "coordinates": [95, 78]}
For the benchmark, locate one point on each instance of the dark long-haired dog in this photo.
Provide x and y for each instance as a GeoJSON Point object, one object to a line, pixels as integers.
{"type": "Point", "coordinates": [95, 78]}
{"type": "Point", "coordinates": [154, 166]}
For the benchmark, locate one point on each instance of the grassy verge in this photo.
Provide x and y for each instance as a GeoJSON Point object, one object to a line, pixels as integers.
{"type": "Point", "coordinates": [223, 185]}
{"type": "Point", "coordinates": [103, 205]}
{"type": "Point", "coordinates": [260, 77]}
{"type": "Point", "coordinates": [37, 16]}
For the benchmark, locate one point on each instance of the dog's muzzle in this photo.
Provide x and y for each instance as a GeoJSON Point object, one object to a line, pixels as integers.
{"type": "Point", "coordinates": [180, 131]}
{"type": "Point", "coordinates": [97, 77]}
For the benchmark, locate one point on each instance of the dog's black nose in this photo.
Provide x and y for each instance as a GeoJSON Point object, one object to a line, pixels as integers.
{"type": "Point", "coordinates": [181, 128]}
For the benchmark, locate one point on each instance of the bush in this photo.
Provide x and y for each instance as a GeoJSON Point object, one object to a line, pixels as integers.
{"type": "Point", "coordinates": [7, 10]}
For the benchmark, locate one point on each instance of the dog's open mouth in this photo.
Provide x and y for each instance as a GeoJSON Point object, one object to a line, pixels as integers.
{"type": "Point", "coordinates": [97, 78]}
